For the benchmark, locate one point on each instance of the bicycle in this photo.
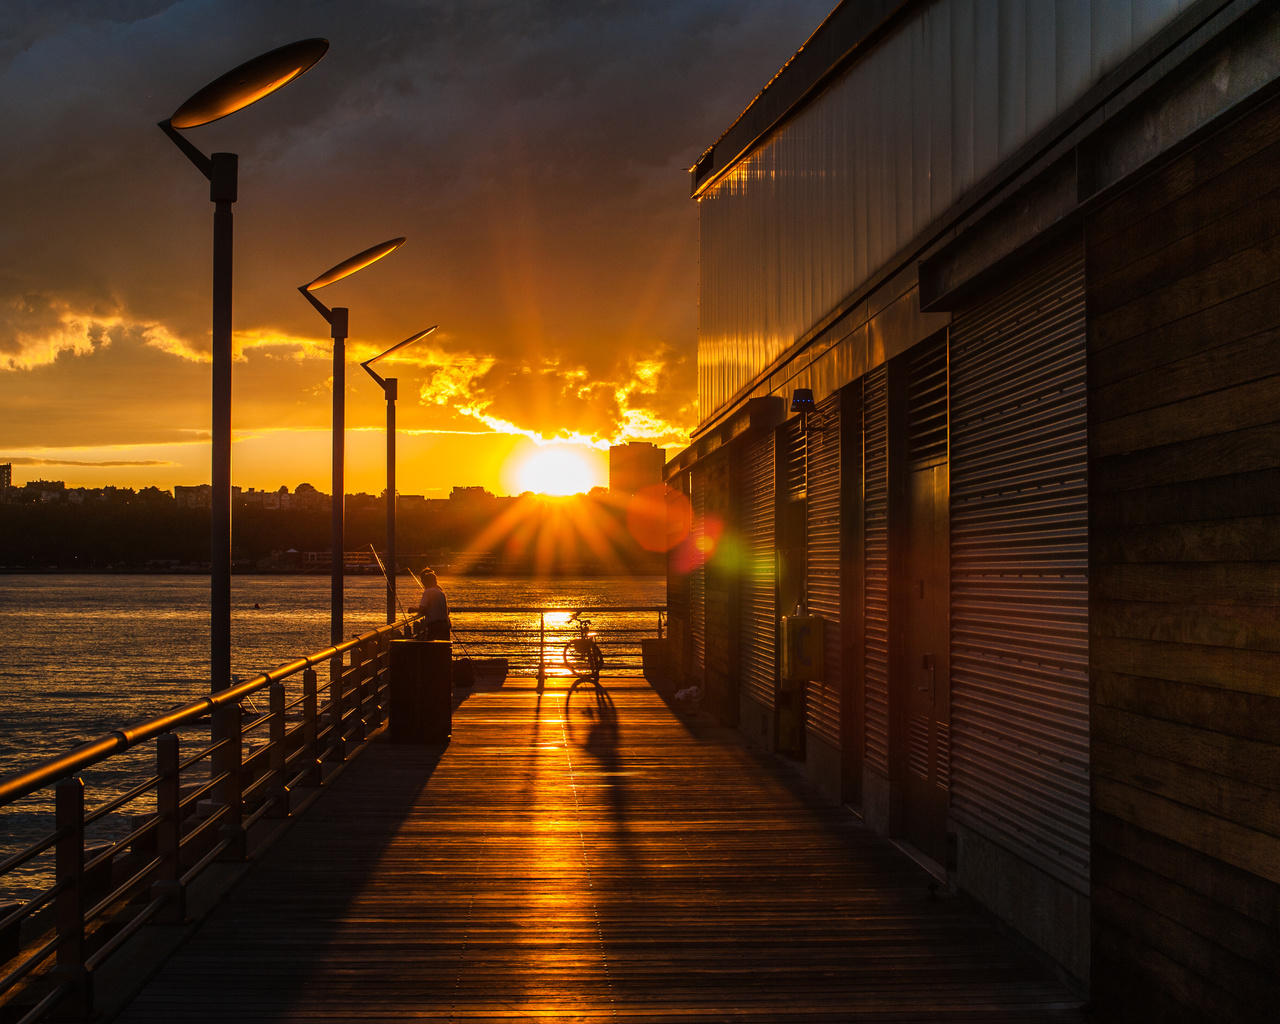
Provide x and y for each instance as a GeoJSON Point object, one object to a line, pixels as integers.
{"type": "Point", "coordinates": [582, 655]}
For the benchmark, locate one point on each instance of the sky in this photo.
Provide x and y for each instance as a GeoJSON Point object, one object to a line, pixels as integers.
{"type": "Point", "coordinates": [534, 154]}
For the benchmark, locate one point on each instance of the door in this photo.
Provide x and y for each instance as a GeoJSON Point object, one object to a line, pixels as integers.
{"type": "Point", "coordinates": [924, 660]}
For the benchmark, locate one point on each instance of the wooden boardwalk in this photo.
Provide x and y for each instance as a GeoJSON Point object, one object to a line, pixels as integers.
{"type": "Point", "coordinates": [585, 859]}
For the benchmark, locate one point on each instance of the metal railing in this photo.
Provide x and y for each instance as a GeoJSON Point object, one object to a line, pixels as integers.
{"type": "Point", "coordinates": [100, 896]}
{"type": "Point", "coordinates": [531, 640]}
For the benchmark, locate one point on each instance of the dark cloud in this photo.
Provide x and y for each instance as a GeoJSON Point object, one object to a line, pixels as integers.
{"type": "Point", "coordinates": [22, 460]}
{"type": "Point", "coordinates": [534, 153]}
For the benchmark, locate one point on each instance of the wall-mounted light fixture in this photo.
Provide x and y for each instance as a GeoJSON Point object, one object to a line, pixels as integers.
{"type": "Point", "coordinates": [802, 402]}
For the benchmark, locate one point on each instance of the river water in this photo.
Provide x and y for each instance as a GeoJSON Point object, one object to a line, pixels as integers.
{"type": "Point", "coordinates": [81, 655]}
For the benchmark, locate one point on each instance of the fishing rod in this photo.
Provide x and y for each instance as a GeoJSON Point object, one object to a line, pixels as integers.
{"type": "Point", "coordinates": [418, 580]}
{"type": "Point", "coordinates": [381, 566]}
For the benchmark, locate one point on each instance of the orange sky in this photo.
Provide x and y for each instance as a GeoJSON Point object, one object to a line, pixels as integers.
{"type": "Point", "coordinates": [534, 155]}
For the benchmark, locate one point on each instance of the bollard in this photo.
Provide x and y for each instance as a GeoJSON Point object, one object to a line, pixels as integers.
{"type": "Point", "coordinates": [421, 691]}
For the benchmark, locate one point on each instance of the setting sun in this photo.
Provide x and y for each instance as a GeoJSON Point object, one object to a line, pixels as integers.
{"type": "Point", "coordinates": [556, 469]}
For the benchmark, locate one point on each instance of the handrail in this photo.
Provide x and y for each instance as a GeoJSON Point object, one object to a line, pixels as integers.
{"type": "Point", "coordinates": [191, 824]}
{"type": "Point", "coordinates": [558, 608]}
{"type": "Point", "coordinates": [14, 787]}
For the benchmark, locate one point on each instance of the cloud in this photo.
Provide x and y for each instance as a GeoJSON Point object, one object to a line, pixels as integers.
{"type": "Point", "coordinates": [534, 152]}
{"type": "Point", "coordinates": [113, 463]}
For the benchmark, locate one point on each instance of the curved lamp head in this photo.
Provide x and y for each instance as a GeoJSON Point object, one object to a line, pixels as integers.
{"type": "Point", "coordinates": [407, 341]}
{"type": "Point", "coordinates": [249, 83]}
{"type": "Point", "coordinates": [349, 266]}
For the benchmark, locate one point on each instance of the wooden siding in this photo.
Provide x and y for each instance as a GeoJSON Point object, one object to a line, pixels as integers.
{"type": "Point", "coordinates": [1183, 275]}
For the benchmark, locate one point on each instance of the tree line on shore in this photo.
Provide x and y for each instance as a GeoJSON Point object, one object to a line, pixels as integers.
{"type": "Point", "coordinates": [138, 531]}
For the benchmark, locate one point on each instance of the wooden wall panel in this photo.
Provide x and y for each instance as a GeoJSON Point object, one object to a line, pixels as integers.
{"type": "Point", "coordinates": [1183, 293]}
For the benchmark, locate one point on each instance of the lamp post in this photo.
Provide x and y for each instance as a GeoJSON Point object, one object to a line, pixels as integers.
{"type": "Point", "coordinates": [389, 385]}
{"type": "Point", "coordinates": [337, 318]}
{"type": "Point", "coordinates": [235, 90]}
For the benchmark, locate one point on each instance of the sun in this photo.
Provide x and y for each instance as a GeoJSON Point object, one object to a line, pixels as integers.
{"type": "Point", "coordinates": [557, 469]}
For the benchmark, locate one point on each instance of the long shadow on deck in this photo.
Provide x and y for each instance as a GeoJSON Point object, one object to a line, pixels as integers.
{"type": "Point", "coordinates": [583, 855]}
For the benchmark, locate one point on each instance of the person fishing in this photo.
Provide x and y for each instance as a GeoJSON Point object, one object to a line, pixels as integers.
{"type": "Point", "coordinates": [434, 606]}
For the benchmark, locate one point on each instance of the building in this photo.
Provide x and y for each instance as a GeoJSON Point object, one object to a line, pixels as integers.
{"type": "Point", "coordinates": [1025, 257]}
{"type": "Point", "coordinates": [634, 466]}
{"type": "Point", "coordinates": [198, 496]}
{"type": "Point", "coordinates": [6, 479]}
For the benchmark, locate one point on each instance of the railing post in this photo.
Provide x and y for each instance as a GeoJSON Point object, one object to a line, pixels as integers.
{"type": "Point", "coordinates": [542, 650]}
{"type": "Point", "coordinates": [278, 791]}
{"type": "Point", "coordinates": [169, 832]}
{"type": "Point", "coordinates": [337, 750]}
{"type": "Point", "coordinates": [69, 864]}
{"type": "Point", "coordinates": [359, 655]}
{"type": "Point", "coordinates": [377, 673]}
{"type": "Point", "coordinates": [310, 729]}
{"type": "Point", "coordinates": [230, 792]}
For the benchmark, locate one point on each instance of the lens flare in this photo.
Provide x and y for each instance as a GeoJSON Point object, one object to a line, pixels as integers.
{"type": "Point", "coordinates": [556, 469]}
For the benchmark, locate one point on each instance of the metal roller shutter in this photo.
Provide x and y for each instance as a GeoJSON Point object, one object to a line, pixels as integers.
{"type": "Point", "coordinates": [928, 736]}
{"type": "Point", "coordinates": [757, 597]}
{"type": "Point", "coordinates": [698, 576]}
{"type": "Point", "coordinates": [823, 580]}
{"type": "Point", "coordinates": [795, 468]}
{"type": "Point", "coordinates": [1019, 550]}
{"type": "Point", "coordinates": [875, 433]}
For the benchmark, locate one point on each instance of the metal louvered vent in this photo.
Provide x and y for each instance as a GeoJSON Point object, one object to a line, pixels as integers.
{"type": "Point", "coordinates": [795, 458]}
{"type": "Point", "coordinates": [823, 566]}
{"type": "Point", "coordinates": [757, 596]}
{"type": "Point", "coordinates": [875, 434]}
{"type": "Point", "coordinates": [1019, 551]}
{"type": "Point", "coordinates": [927, 404]}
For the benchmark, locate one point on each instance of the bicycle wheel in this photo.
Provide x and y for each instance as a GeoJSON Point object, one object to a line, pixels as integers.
{"type": "Point", "coordinates": [579, 659]}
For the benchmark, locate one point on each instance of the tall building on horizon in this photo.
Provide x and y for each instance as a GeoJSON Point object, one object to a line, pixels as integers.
{"type": "Point", "coordinates": [6, 479]}
{"type": "Point", "coordinates": [635, 465]}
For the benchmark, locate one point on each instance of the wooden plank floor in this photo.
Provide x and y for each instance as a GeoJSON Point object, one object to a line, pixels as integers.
{"type": "Point", "coordinates": [586, 859]}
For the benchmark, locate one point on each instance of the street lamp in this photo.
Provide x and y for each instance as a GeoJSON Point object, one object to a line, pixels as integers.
{"type": "Point", "coordinates": [337, 318]}
{"type": "Point", "coordinates": [388, 386]}
{"type": "Point", "coordinates": [235, 90]}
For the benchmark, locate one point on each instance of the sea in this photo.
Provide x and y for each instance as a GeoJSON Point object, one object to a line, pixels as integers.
{"type": "Point", "coordinates": [83, 654]}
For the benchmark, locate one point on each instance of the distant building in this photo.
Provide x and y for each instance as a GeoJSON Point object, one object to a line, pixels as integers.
{"type": "Point", "coordinates": [634, 466]}
{"type": "Point", "coordinates": [469, 494]}
{"type": "Point", "coordinates": [193, 497]}
{"type": "Point", "coordinates": [6, 480]}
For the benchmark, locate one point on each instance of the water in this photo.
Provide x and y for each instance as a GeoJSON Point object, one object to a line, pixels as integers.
{"type": "Point", "coordinates": [81, 655]}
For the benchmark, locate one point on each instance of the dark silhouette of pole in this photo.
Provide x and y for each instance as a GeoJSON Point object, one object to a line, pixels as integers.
{"type": "Point", "coordinates": [222, 189]}
{"type": "Point", "coordinates": [390, 386]}
{"type": "Point", "coordinates": [235, 90]}
{"type": "Point", "coordinates": [337, 318]}
{"type": "Point", "coordinates": [337, 526]}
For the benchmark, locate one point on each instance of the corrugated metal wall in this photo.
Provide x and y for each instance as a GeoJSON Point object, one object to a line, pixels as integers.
{"type": "Point", "coordinates": [698, 576]}
{"type": "Point", "coordinates": [1019, 551]}
{"type": "Point", "coordinates": [757, 597]}
{"type": "Point", "coordinates": [875, 461]}
{"type": "Point", "coordinates": [803, 221]}
{"type": "Point", "coordinates": [823, 566]}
